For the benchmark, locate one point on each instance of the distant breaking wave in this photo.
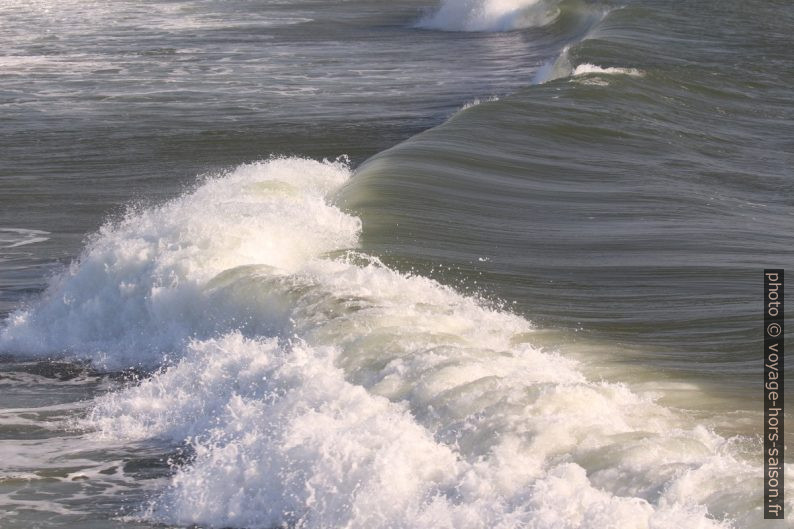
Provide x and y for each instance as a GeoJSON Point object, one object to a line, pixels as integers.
{"type": "Point", "coordinates": [588, 69]}
{"type": "Point", "coordinates": [489, 15]}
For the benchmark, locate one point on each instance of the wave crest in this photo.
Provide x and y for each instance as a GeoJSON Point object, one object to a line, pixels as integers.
{"type": "Point", "coordinates": [143, 285]}
{"type": "Point", "coordinates": [489, 15]}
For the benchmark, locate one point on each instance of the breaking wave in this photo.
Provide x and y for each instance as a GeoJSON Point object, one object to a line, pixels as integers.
{"type": "Point", "coordinates": [489, 15]}
{"type": "Point", "coordinates": [319, 388]}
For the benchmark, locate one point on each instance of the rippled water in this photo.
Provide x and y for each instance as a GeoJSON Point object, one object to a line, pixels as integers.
{"type": "Point", "coordinates": [521, 290]}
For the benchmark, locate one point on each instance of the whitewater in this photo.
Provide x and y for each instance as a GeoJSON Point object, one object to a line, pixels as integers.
{"type": "Point", "coordinates": [315, 387]}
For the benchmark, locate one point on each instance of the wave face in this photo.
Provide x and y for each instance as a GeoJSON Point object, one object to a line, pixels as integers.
{"type": "Point", "coordinates": [489, 15]}
{"type": "Point", "coordinates": [323, 389]}
{"type": "Point", "coordinates": [624, 175]}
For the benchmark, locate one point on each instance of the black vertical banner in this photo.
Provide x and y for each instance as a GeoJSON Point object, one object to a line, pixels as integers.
{"type": "Point", "coordinates": [773, 395]}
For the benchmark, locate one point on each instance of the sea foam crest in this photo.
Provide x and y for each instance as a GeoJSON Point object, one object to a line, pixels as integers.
{"type": "Point", "coordinates": [478, 101]}
{"type": "Point", "coordinates": [489, 15]}
{"type": "Point", "coordinates": [319, 388]}
{"type": "Point", "coordinates": [593, 69]}
{"type": "Point", "coordinates": [141, 285]}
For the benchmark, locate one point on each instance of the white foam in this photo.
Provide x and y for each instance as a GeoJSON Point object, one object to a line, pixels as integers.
{"type": "Point", "coordinates": [140, 287]}
{"type": "Point", "coordinates": [586, 73]}
{"type": "Point", "coordinates": [488, 15]}
{"type": "Point", "coordinates": [477, 101]}
{"type": "Point", "coordinates": [16, 237]}
{"type": "Point", "coordinates": [592, 69]}
{"type": "Point", "coordinates": [326, 390]}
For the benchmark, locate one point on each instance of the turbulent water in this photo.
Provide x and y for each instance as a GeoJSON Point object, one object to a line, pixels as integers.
{"type": "Point", "coordinates": [365, 264]}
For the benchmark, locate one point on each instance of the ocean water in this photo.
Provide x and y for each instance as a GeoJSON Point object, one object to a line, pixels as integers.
{"type": "Point", "coordinates": [364, 264]}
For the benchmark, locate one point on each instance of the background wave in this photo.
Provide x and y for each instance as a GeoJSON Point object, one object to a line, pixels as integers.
{"type": "Point", "coordinates": [489, 15]}
{"type": "Point", "coordinates": [633, 178]}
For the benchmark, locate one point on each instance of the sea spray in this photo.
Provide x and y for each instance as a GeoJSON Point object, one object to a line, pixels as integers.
{"type": "Point", "coordinates": [142, 286]}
